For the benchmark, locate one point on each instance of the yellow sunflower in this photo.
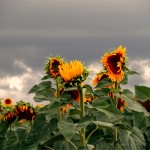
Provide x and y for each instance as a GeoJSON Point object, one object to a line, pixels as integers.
{"type": "Point", "coordinates": [69, 71]}
{"type": "Point", "coordinates": [52, 65]}
{"type": "Point", "coordinates": [10, 116]}
{"type": "Point", "coordinates": [114, 63]}
{"type": "Point", "coordinates": [8, 102]}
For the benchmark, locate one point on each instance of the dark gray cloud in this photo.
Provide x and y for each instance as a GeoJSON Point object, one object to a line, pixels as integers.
{"type": "Point", "coordinates": [31, 30]}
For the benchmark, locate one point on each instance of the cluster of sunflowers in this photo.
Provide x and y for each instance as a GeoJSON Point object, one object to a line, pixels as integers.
{"type": "Point", "coordinates": [21, 112]}
{"type": "Point", "coordinates": [74, 73]}
{"type": "Point", "coordinates": [115, 69]}
{"type": "Point", "coordinates": [80, 115]}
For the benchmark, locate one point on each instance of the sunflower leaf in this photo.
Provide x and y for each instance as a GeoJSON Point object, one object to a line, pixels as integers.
{"type": "Point", "coordinates": [132, 139]}
{"type": "Point", "coordinates": [67, 129]}
{"type": "Point", "coordinates": [142, 93]}
{"type": "Point", "coordinates": [103, 83]}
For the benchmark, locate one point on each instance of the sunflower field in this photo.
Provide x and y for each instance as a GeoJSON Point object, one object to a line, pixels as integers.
{"type": "Point", "coordinates": [100, 115]}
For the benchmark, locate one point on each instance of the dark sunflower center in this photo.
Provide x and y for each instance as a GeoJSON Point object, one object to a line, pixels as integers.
{"type": "Point", "coordinates": [7, 101]}
{"type": "Point", "coordinates": [112, 62]}
{"type": "Point", "coordinates": [74, 94]}
{"type": "Point", "coordinates": [55, 65]}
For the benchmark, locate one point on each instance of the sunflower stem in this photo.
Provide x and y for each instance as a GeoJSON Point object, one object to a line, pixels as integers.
{"type": "Point", "coordinates": [82, 114]}
{"type": "Point", "coordinates": [57, 95]}
{"type": "Point", "coordinates": [116, 89]}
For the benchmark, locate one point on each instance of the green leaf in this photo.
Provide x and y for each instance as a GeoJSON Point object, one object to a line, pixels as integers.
{"type": "Point", "coordinates": [34, 89]}
{"type": "Point", "coordinates": [40, 86]}
{"type": "Point", "coordinates": [104, 83]}
{"type": "Point", "coordinates": [140, 120]}
{"type": "Point", "coordinates": [132, 104]}
{"type": "Point", "coordinates": [110, 111]}
{"type": "Point", "coordinates": [125, 80]}
{"type": "Point", "coordinates": [21, 134]}
{"type": "Point", "coordinates": [65, 97]}
{"type": "Point", "coordinates": [86, 120]}
{"type": "Point", "coordinates": [102, 93]}
{"type": "Point", "coordinates": [132, 139]}
{"type": "Point", "coordinates": [39, 133]}
{"type": "Point", "coordinates": [88, 88]}
{"type": "Point", "coordinates": [82, 148]}
{"type": "Point", "coordinates": [102, 145]}
{"type": "Point", "coordinates": [67, 129]}
{"type": "Point", "coordinates": [130, 72]}
{"type": "Point", "coordinates": [3, 130]}
{"type": "Point", "coordinates": [62, 145]}
{"type": "Point", "coordinates": [142, 93]}
{"type": "Point", "coordinates": [50, 108]}
{"type": "Point", "coordinates": [46, 77]}
{"type": "Point", "coordinates": [44, 94]}
{"type": "Point", "coordinates": [147, 132]}
{"type": "Point", "coordinates": [104, 124]}
{"type": "Point", "coordinates": [53, 124]}
{"type": "Point", "coordinates": [11, 141]}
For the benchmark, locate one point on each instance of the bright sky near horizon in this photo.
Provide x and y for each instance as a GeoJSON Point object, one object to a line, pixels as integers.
{"type": "Point", "coordinates": [30, 30]}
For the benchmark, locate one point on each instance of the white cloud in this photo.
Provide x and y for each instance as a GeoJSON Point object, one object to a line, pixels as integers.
{"type": "Point", "coordinates": [19, 85]}
{"type": "Point", "coordinates": [142, 67]}
{"type": "Point", "coordinates": [22, 65]}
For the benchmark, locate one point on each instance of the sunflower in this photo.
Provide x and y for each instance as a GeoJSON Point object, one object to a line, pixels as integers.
{"type": "Point", "coordinates": [51, 66]}
{"type": "Point", "coordinates": [8, 102]}
{"type": "Point", "coordinates": [98, 78]}
{"type": "Point", "coordinates": [74, 96]}
{"type": "Point", "coordinates": [73, 72]}
{"type": "Point", "coordinates": [114, 63]}
{"type": "Point", "coordinates": [10, 116]}
{"type": "Point", "coordinates": [88, 99]}
{"type": "Point", "coordinates": [25, 112]}
{"type": "Point", "coordinates": [121, 104]}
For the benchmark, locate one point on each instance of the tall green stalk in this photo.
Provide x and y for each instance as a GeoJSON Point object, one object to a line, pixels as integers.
{"type": "Point", "coordinates": [82, 114]}
{"type": "Point", "coordinates": [116, 89]}
{"type": "Point", "coordinates": [58, 94]}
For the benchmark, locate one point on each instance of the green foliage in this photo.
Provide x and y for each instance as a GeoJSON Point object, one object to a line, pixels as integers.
{"type": "Point", "coordinates": [142, 93]}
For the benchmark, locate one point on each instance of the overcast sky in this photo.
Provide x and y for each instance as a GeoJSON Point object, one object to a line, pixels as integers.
{"type": "Point", "coordinates": [30, 30]}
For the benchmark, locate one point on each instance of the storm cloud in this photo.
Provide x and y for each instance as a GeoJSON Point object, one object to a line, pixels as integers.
{"type": "Point", "coordinates": [31, 30]}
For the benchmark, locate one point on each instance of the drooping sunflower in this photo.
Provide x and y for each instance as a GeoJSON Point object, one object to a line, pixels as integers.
{"type": "Point", "coordinates": [25, 111]}
{"type": "Point", "coordinates": [121, 104]}
{"type": "Point", "coordinates": [114, 63]}
{"type": "Point", "coordinates": [8, 102]}
{"type": "Point", "coordinates": [73, 72]}
{"type": "Point", "coordinates": [74, 96]}
{"type": "Point", "coordinates": [10, 116]}
{"type": "Point", "coordinates": [98, 78]}
{"type": "Point", "coordinates": [52, 66]}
